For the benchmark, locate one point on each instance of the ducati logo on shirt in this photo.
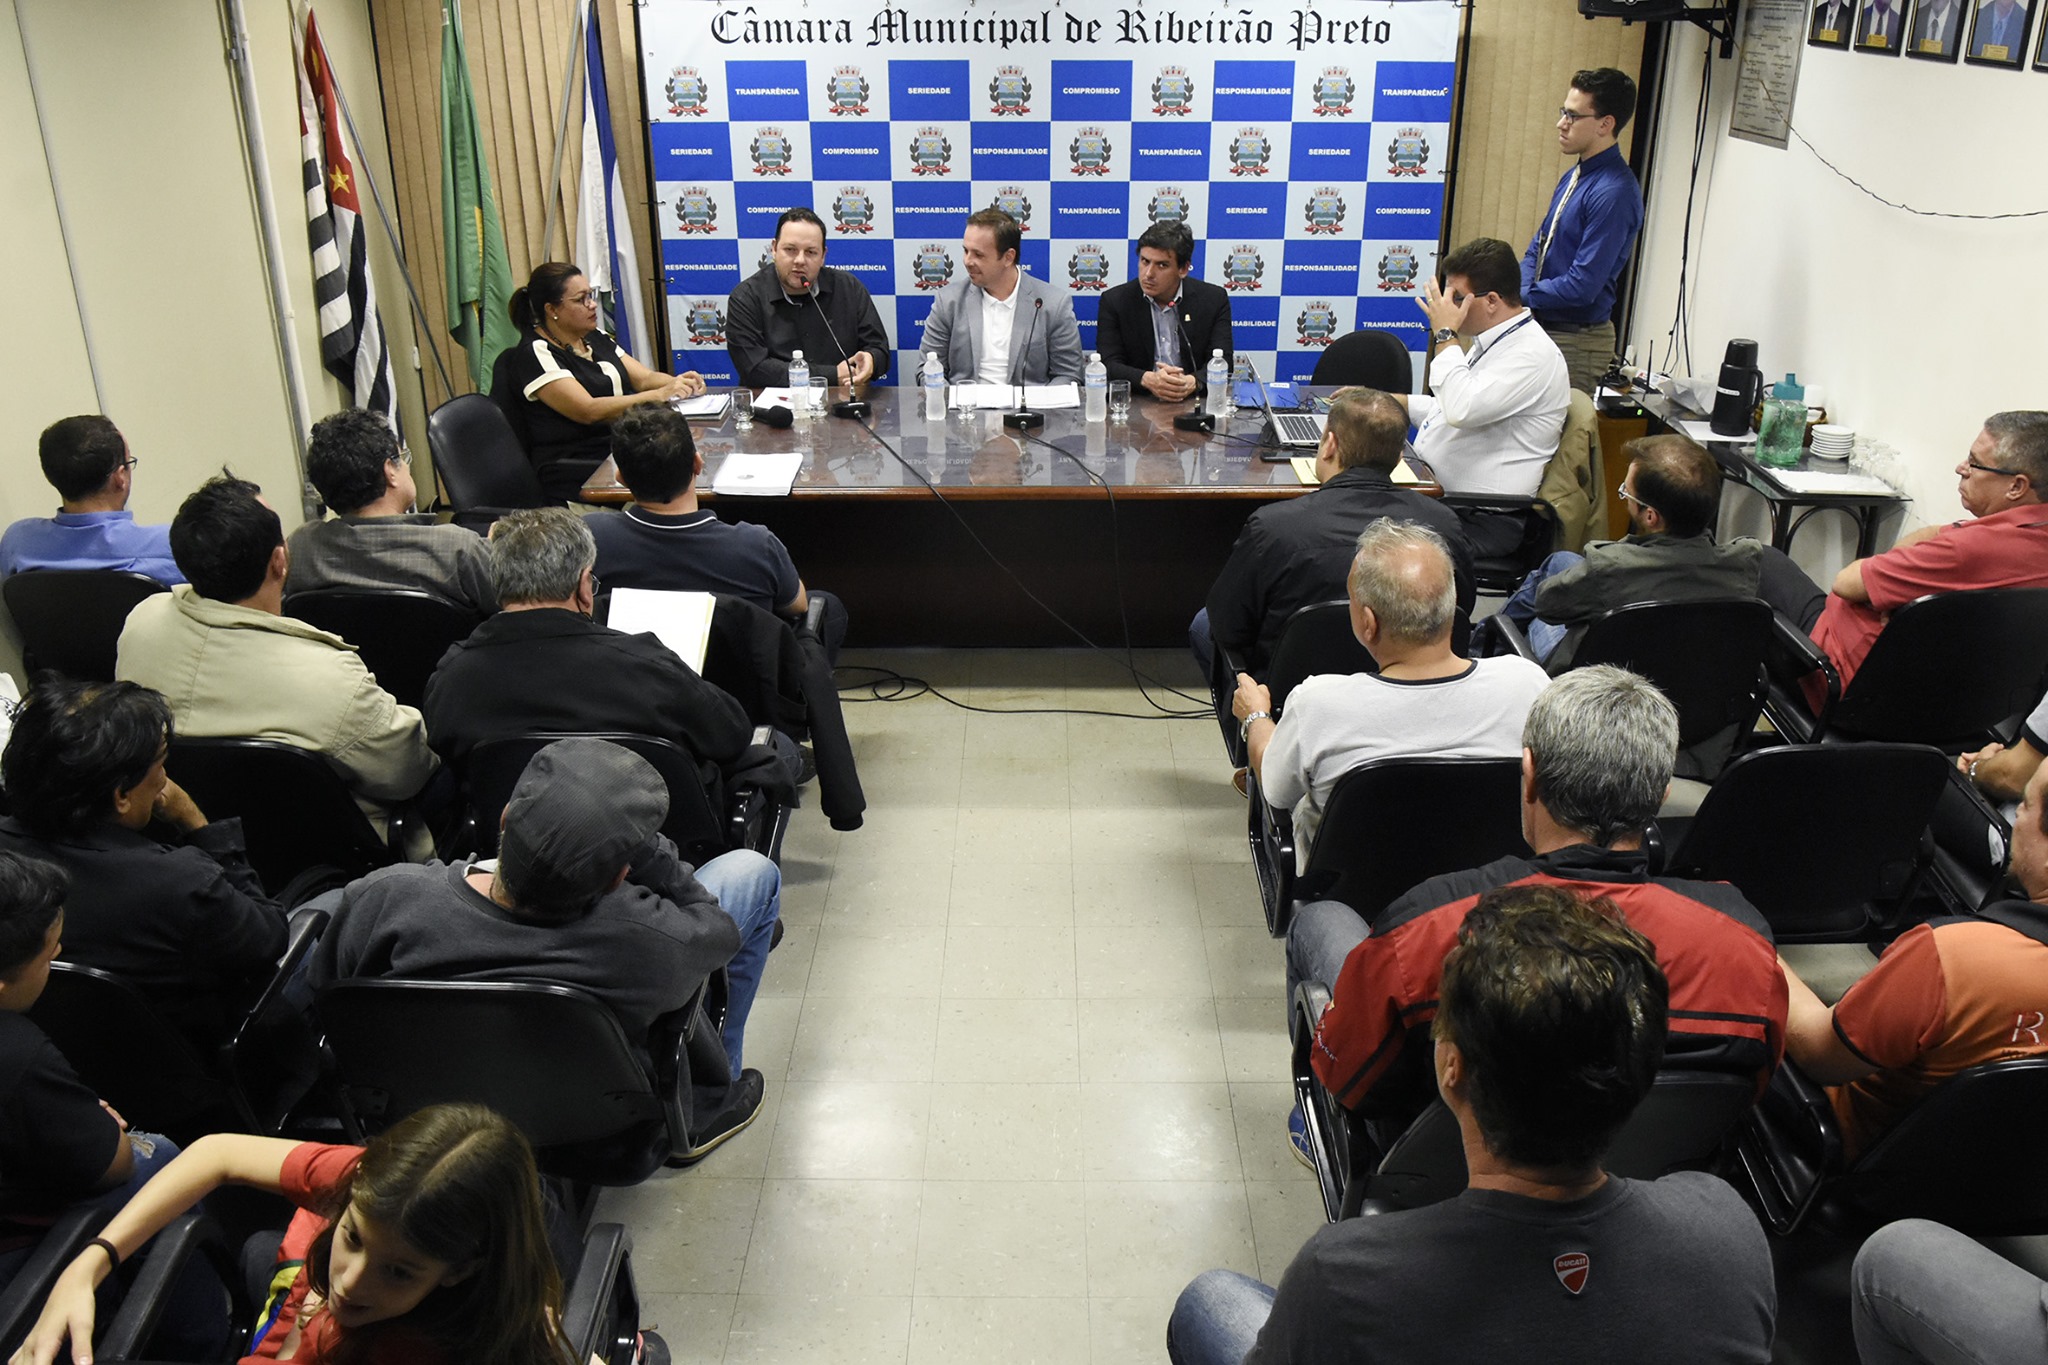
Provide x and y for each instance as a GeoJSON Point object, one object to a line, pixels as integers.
{"type": "Point", "coordinates": [1572, 1267]}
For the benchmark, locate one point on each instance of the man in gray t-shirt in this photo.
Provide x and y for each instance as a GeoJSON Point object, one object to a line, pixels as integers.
{"type": "Point", "coordinates": [1549, 1029]}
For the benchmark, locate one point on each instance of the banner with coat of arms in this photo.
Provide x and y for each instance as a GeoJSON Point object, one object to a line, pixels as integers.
{"type": "Point", "coordinates": [1303, 144]}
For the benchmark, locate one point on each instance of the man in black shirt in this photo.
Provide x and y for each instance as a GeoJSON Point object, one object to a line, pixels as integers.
{"type": "Point", "coordinates": [1299, 551]}
{"type": "Point", "coordinates": [797, 303]}
{"type": "Point", "coordinates": [1550, 1023]}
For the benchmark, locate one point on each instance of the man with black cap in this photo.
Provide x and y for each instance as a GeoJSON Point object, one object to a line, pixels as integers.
{"type": "Point", "coordinates": [586, 892]}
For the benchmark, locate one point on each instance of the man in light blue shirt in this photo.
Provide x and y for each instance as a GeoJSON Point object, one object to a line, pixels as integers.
{"type": "Point", "coordinates": [87, 461]}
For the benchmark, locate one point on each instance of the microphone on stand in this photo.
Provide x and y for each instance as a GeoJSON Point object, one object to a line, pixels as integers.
{"type": "Point", "coordinates": [1189, 362]}
{"type": "Point", "coordinates": [1024, 419]}
{"type": "Point", "coordinates": [846, 407]}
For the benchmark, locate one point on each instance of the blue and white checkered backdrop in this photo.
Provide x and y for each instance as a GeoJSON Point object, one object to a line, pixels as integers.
{"type": "Point", "coordinates": [1304, 145]}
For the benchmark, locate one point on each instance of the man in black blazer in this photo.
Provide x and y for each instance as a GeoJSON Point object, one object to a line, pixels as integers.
{"type": "Point", "coordinates": [1146, 326]}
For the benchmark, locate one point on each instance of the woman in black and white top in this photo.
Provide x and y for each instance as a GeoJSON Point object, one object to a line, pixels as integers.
{"type": "Point", "coordinates": [574, 378]}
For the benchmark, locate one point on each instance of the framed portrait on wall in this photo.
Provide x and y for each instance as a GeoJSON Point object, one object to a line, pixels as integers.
{"type": "Point", "coordinates": [1834, 23]}
{"type": "Point", "coordinates": [2041, 49]}
{"type": "Point", "coordinates": [1881, 27]}
{"type": "Point", "coordinates": [1998, 33]}
{"type": "Point", "coordinates": [1934, 30]}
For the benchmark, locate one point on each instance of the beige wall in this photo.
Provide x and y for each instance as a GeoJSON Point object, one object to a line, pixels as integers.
{"type": "Point", "coordinates": [1917, 327]}
{"type": "Point", "coordinates": [137, 104]}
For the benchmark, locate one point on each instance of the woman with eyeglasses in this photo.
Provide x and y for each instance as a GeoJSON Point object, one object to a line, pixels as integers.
{"type": "Point", "coordinates": [571, 379]}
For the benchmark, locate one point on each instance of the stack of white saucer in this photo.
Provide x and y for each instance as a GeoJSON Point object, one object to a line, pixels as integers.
{"type": "Point", "coordinates": [1832, 442]}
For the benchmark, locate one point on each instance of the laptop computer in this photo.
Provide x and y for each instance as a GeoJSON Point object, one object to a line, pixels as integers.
{"type": "Point", "coordinates": [1290, 431]}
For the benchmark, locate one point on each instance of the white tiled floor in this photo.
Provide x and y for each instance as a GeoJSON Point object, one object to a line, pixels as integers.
{"type": "Point", "coordinates": [1024, 1047]}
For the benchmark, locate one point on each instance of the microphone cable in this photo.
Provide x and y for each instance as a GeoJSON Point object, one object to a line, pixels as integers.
{"type": "Point", "coordinates": [1035, 599]}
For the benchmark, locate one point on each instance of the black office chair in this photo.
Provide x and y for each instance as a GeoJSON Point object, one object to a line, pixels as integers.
{"type": "Point", "coordinates": [480, 461]}
{"type": "Point", "coordinates": [1316, 639]}
{"type": "Point", "coordinates": [1390, 825]}
{"type": "Point", "coordinates": [21, 1298]}
{"type": "Point", "coordinates": [1966, 1156]}
{"type": "Point", "coordinates": [506, 394]}
{"type": "Point", "coordinates": [600, 1309]}
{"type": "Point", "coordinates": [1829, 842]}
{"type": "Point", "coordinates": [1707, 657]}
{"type": "Point", "coordinates": [1947, 670]}
{"type": "Point", "coordinates": [400, 633]}
{"type": "Point", "coordinates": [1500, 575]}
{"type": "Point", "coordinates": [550, 1058]}
{"type": "Point", "coordinates": [70, 619]}
{"type": "Point", "coordinates": [1369, 356]}
{"type": "Point", "coordinates": [1684, 1123]}
{"type": "Point", "coordinates": [700, 830]}
{"type": "Point", "coordinates": [124, 1051]}
{"type": "Point", "coordinates": [304, 832]}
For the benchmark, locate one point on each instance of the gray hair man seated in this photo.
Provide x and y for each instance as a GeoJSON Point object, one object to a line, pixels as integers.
{"type": "Point", "coordinates": [1548, 1032]}
{"type": "Point", "coordinates": [1425, 700]}
{"type": "Point", "coordinates": [585, 892]}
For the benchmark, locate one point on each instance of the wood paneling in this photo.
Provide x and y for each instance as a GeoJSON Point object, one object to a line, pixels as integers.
{"type": "Point", "coordinates": [518, 52]}
{"type": "Point", "coordinates": [1517, 70]}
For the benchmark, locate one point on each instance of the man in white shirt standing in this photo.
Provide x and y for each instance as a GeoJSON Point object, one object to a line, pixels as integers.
{"type": "Point", "coordinates": [999, 325]}
{"type": "Point", "coordinates": [1500, 386]}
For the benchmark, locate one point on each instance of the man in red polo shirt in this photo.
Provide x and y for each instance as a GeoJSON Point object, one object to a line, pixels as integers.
{"type": "Point", "coordinates": [1597, 755]}
{"type": "Point", "coordinates": [1946, 996]}
{"type": "Point", "coordinates": [2003, 545]}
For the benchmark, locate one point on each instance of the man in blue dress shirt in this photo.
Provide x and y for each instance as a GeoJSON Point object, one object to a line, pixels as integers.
{"type": "Point", "coordinates": [1578, 253]}
{"type": "Point", "coordinates": [88, 463]}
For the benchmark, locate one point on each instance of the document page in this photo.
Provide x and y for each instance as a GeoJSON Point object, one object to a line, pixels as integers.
{"type": "Point", "coordinates": [680, 620]}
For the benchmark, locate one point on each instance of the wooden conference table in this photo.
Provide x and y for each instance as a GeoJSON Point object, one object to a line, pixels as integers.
{"type": "Point", "coordinates": [1103, 522]}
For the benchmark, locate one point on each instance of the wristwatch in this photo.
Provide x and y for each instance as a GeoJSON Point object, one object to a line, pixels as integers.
{"type": "Point", "coordinates": [1443, 334]}
{"type": "Point", "coordinates": [1244, 727]}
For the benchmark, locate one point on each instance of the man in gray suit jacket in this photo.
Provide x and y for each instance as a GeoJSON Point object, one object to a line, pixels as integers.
{"type": "Point", "coordinates": [999, 325]}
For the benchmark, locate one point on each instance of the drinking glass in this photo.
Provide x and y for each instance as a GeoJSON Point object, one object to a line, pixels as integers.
{"type": "Point", "coordinates": [819, 384]}
{"type": "Point", "coordinates": [742, 409]}
{"type": "Point", "coordinates": [1119, 399]}
{"type": "Point", "coordinates": [966, 396]}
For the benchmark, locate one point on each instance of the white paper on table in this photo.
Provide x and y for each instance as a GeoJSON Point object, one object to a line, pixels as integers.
{"type": "Point", "coordinates": [1827, 481]}
{"type": "Point", "coordinates": [774, 398]}
{"type": "Point", "coordinates": [758, 475]}
{"type": "Point", "coordinates": [1704, 432]}
{"type": "Point", "coordinates": [1049, 396]}
{"type": "Point", "coordinates": [703, 405]}
{"type": "Point", "coordinates": [680, 620]}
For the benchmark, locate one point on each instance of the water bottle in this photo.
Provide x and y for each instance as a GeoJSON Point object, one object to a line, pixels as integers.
{"type": "Point", "coordinates": [1095, 389]}
{"type": "Point", "coordinates": [934, 388]}
{"type": "Point", "coordinates": [1782, 433]}
{"type": "Point", "coordinates": [1218, 378]}
{"type": "Point", "coordinates": [799, 386]}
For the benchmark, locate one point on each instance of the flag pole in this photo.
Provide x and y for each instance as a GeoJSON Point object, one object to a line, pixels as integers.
{"type": "Point", "coordinates": [571, 76]}
{"type": "Point", "coordinates": [266, 215]}
{"type": "Point", "coordinates": [412, 290]}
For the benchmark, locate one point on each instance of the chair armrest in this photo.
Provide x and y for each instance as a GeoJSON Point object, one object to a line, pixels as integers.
{"type": "Point", "coordinates": [1223, 673]}
{"type": "Point", "coordinates": [1498, 502]}
{"type": "Point", "coordinates": [814, 616]}
{"type": "Point", "coordinates": [22, 1300]}
{"type": "Point", "coordinates": [192, 1234]}
{"type": "Point", "coordinates": [1323, 1128]}
{"type": "Point", "coordinates": [1513, 636]}
{"type": "Point", "coordinates": [304, 929]}
{"type": "Point", "coordinates": [1311, 998]}
{"type": "Point", "coordinates": [1791, 657]}
{"type": "Point", "coordinates": [1789, 1145]}
{"type": "Point", "coordinates": [587, 1315]}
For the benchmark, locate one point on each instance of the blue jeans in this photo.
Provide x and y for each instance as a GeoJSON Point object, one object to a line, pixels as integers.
{"type": "Point", "coordinates": [749, 888]}
{"type": "Point", "coordinates": [1521, 608]}
{"type": "Point", "coordinates": [1217, 1319]}
{"type": "Point", "coordinates": [1201, 642]}
{"type": "Point", "coordinates": [1924, 1293]}
{"type": "Point", "coordinates": [1320, 938]}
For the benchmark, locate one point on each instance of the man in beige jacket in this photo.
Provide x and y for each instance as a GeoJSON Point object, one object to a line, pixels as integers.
{"type": "Point", "coordinates": [231, 663]}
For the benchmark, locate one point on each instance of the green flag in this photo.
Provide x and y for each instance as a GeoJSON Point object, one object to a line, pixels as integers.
{"type": "Point", "coordinates": [479, 280]}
